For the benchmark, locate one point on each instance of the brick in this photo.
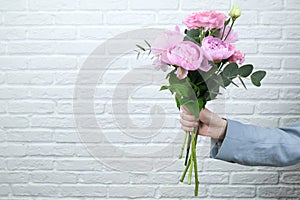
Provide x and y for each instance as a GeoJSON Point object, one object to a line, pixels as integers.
{"type": "Point", "coordinates": [31, 48]}
{"type": "Point", "coordinates": [14, 177]}
{"type": "Point", "coordinates": [29, 135]}
{"type": "Point", "coordinates": [64, 136]}
{"type": "Point", "coordinates": [44, 5]}
{"type": "Point", "coordinates": [50, 150]}
{"type": "Point", "coordinates": [154, 5]}
{"type": "Point", "coordinates": [13, 62]}
{"type": "Point", "coordinates": [247, 47]}
{"type": "Point", "coordinates": [258, 32]}
{"type": "Point", "coordinates": [282, 78]}
{"type": "Point", "coordinates": [2, 138]}
{"type": "Point", "coordinates": [25, 78]}
{"type": "Point", "coordinates": [290, 177]}
{"type": "Point", "coordinates": [278, 108]}
{"type": "Point", "coordinates": [5, 190]}
{"type": "Point", "coordinates": [246, 15]}
{"type": "Point", "coordinates": [52, 93]}
{"type": "Point", "coordinates": [131, 191]}
{"type": "Point", "coordinates": [289, 93]}
{"type": "Point", "coordinates": [232, 191]}
{"type": "Point", "coordinates": [53, 122]}
{"type": "Point", "coordinates": [30, 164]}
{"type": "Point", "coordinates": [80, 18]}
{"type": "Point", "coordinates": [13, 5]}
{"type": "Point", "coordinates": [82, 191]}
{"type": "Point", "coordinates": [78, 165]}
{"type": "Point", "coordinates": [180, 191]}
{"type": "Point", "coordinates": [254, 178]}
{"type": "Point", "coordinates": [44, 190]}
{"type": "Point", "coordinates": [216, 165]}
{"type": "Point", "coordinates": [12, 150]}
{"type": "Point", "coordinates": [291, 33]}
{"type": "Point", "coordinates": [75, 48]}
{"type": "Point", "coordinates": [3, 107]}
{"type": "Point", "coordinates": [292, 4]}
{"type": "Point", "coordinates": [103, 177]}
{"type": "Point", "coordinates": [277, 18]}
{"type": "Point", "coordinates": [213, 178]}
{"type": "Point", "coordinates": [51, 33]}
{"type": "Point", "coordinates": [130, 18]}
{"type": "Point", "coordinates": [202, 5]}
{"type": "Point", "coordinates": [53, 63]}
{"type": "Point", "coordinates": [103, 5]}
{"type": "Point", "coordinates": [14, 18]}
{"type": "Point", "coordinates": [290, 63]}
{"type": "Point", "coordinates": [91, 33]}
{"type": "Point", "coordinates": [2, 78]}
{"type": "Point", "coordinates": [14, 93]}
{"type": "Point", "coordinates": [13, 122]}
{"type": "Point", "coordinates": [279, 191]}
{"type": "Point", "coordinates": [255, 93]}
{"type": "Point", "coordinates": [279, 47]}
{"type": "Point", "coordinates": [53, 177]}
{"type": "Point", "coordinates": [260, 5]}
{"type": "Point", "coordinates": [8, 33]}
{"type": "Point", "coordinates": [30, 107]}
{"type": "Point", "coordinates": [264, 62]}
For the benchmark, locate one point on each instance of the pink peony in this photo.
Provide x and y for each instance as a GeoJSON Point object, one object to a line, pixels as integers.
{"type": "Point", "coordinates": [237, 56]}
{"type": "Point", "coordinates": [164, 41]}
{"type": "Point", "coordinates": [160, 65]}
{"type": "Point", "coordinates": [217, 49]}
{"type": "Point", "coordinates": [188, 56]}
{"type": "Point", "coordinates": [207, 20]}
{"type": "Point", "coordinates": [232, 37]}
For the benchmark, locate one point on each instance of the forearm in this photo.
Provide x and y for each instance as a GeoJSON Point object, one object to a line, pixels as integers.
{"type": "Point", "coordinates": [253, 145]}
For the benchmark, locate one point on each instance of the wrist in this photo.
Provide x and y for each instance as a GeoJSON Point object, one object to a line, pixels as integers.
{"type": "Point", "coordinates": [223, 129]}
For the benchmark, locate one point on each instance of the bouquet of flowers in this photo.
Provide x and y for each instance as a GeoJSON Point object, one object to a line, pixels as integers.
{"type": "Point", "coordinates": [202, 60]}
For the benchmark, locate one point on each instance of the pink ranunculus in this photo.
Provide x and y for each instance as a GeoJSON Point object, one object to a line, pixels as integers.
{"type": "Point", "coordinates": [217, 49]}
{"type": "Point", "coordinates": [207, 20]}
{"type": "Point", "coordinates": [189, 56]}
{"type": "Point", "coordinates": [164, 41]}
{"type": "Point", "coordinates": [232, 37]}
{"type": "Point", "coordinates": [237, 56]}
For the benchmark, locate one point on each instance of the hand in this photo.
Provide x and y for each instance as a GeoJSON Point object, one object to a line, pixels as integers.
{"type": "Point", "coordinates": [210, 124]}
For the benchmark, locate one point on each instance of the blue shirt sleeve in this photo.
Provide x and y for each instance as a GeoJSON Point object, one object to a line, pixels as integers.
{"type": "Point", "coordinates": [258, 146]}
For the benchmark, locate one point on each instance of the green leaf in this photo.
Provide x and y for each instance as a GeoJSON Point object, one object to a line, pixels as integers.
{"type": "Point", "coordinates": [177, 102]}
{"type": "Point", "coordinates": [193, 33]}
{"type": "Point", "coordinates": [257, 76]}
{"type": "Point", "coordinates": [243, 83]}
{"type": "Point", "coordinates": [164, 87]}
{"type": "Point", "coordinates": [230, 71]}
{"type": "Point", "coordinates": [245, 70]}
{"type": "Point", "coordinates": [227, 22]}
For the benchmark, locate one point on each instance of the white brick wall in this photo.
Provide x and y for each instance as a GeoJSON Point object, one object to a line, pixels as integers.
{"type": "Point", "coordinates": [44, 43]}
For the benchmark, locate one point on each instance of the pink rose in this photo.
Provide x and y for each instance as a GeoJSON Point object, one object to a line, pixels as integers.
{"type": "Point", "coordinates": [188, 56]}
{"type": "Point", "coordinates": [164, 41]}
{"type": "Point", "coordinates": [232, 37]}
{"type": "Point", "coordinates": [237, 56]}
{"type": "Point", "coordinates": [217, 49]}
{"type": "Point", "coordinates": [207, 20]}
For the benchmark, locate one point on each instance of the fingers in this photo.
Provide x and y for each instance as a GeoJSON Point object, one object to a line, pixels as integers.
{"type": "Point", "coordinates": [185, 109]}
{"type": "Point", "coordinates": [188, 122]}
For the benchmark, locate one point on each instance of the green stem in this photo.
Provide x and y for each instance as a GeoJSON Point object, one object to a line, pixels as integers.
{"type": "Point", "coordinates": [194, 158]}
{"type": "Point", "coordinates": [185, 170]}
{"type": "Point", "coordinates": [183, 145]}
{"type": "Point", "coordinates": [223, 32]}
{"type": "Point", "coordinates": [229, 29]}
{"type": "Point", "coordinates": [190, 172]}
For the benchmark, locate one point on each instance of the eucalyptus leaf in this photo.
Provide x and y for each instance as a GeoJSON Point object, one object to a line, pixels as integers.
{"type": "Point", "coordinates": [245, 70]}
{"type": "Point", "coordinates": [257, 76]}
{"type": "Point", "coordinates": [230, 71]}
